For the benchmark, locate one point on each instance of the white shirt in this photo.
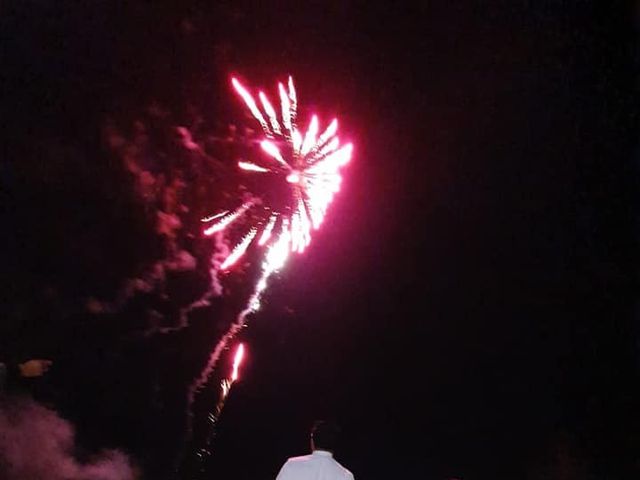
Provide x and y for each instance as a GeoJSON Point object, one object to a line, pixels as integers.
{"type": "Point", "coordinates": [320, 465]}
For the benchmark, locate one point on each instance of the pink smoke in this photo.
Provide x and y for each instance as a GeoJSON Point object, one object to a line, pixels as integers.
{"type": "Point", "coordinates": [37, 444]}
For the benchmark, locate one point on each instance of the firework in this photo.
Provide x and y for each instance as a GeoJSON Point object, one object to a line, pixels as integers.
{"type": "Point", "coordinates": [306, 168]}
{"type": "Point", "coordinates": [302, 175]}
{"type": "Point", "coordinates": [306, 172]}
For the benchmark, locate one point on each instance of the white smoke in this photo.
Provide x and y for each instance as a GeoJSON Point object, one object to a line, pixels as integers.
{"type": "Point", "coordinates": [37, 444]}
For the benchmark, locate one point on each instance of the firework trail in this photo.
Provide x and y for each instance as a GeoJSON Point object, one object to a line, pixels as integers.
{"type": "Point", "coordinates": [274, 261]}
{"type": "Point", "coordinates": [301, 175]}
{"type": "Point", "coordinates": [227, 383]}
{"type": "Point", "coordinates": [214, 416]}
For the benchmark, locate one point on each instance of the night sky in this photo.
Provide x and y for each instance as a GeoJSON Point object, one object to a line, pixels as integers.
{"type": "Point", "coordinates": [468, 309]}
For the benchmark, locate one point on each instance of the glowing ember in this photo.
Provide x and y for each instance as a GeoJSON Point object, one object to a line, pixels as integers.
{"type": "Point", "coordinates": [251, 167]}
{"type": "Point", "coordinates": [237, 360]}
{"type": "Point", "coordinates": [225, 219]}
{"type": "Point", "coordinates": [239, 250]}
{"type": "Point", "coordinates": [227, 383]}
{"type": "Point", "coordinates": [266, 233]}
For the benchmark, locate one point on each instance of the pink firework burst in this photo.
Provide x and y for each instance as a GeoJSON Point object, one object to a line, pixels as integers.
{"type": "Point", "coordinates": [298, 176]}
{"type": "Point", "coordinates": [302, 172]}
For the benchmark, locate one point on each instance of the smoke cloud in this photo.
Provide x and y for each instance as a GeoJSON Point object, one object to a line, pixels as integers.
{"type": "Point", "coordinates": [37, 444]}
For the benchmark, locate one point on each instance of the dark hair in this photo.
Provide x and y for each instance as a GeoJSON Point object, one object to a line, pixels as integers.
{"type": "Point", "coordinates": [325, 435]}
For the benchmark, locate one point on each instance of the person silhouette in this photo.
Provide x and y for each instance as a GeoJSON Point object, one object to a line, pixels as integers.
{"type": "Point", "coordinates": [320, 464]}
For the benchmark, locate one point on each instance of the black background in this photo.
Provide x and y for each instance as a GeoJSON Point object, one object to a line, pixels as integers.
{"type": "Point", "coordinates": [468, 310]}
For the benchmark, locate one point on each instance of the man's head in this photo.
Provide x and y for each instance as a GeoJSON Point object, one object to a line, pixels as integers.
{"type": "Point", "coordinates": [324, 436]}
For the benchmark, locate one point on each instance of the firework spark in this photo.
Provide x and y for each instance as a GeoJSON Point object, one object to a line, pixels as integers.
{"type": "Point", "coordinates": [228, 382]}
{"type": "Point", "coordinates": [213, 417]}
{"type": "Point", "coordinates": [237, 360]}
{"type": "Point", "coordinates": [239, 250]}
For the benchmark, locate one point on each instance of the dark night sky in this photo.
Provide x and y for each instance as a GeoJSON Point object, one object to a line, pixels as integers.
{"type": "Point", "coordinates": [467, 310]}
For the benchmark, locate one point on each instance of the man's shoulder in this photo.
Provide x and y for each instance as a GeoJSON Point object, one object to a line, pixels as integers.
{"type": "Point", "coordinates": [346, 473]}
{"type": "Point", "coordinates": [303, 461]}
{"type": "Point", "coordinates": [300, 459]}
